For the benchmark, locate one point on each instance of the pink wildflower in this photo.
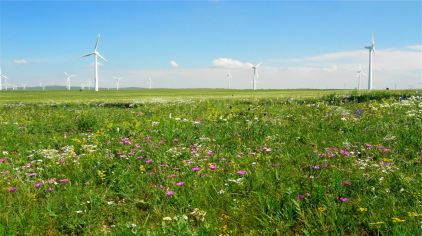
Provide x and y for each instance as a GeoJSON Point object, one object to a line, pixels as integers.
{"type": "Point", "coordinates": [299, 197]}
{"type": "Point", "coordinates": [11, 189]}
{"type": "Point", "coordinates": [169, 193]}
{"type": "Point", "coordinates": [180, 184]}
{"type": "Point", "coordinates": [241, 172]}
{"type": "Point", "coordinates": [343, 199]}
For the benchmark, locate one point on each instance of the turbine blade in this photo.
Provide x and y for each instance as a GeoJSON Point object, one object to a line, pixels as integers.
{"type": "Point", "coordinates": [96, 43]}
{"type": "Point", "coordinates": [99, 55]}
{"type": "Point", "coordinates": [88, 54]}
{"type": "Point", "coordinates": [259, 64]}
{"type": "Point", "coordinates": [65, 73]}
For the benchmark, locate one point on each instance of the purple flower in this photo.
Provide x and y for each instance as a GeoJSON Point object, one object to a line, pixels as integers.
{"type": "Point", "coordinates": [149, 161]}
{"type": "Point", "coordinates": [169, 193]}
{"type": "Point", "coordinates": [321, 155]}
{"type": "Point", "coordinates": [139, 157]}
{"type": "Point", "coordinates": [316, 167]}
{"type": "Point", "coordinates": [64, 180]}
{"type": "Point", "coordinates": [171, 175]}
{"type": "Point", "coordinates": [3, 159]}
{"type": "Point", "coordinates": [343, 199]}
{"type": "Point", "coordinates": [37, 185]}
{"type": "Point", "coordinates": [241, 172]}
{"type": "Point", "coordinates": [196, 169]}
{"type": "Point", "coordinates": [299, 197]}
{"type": "Point", "coordinates": [344, 152]}
{"type": "Point", "coordinates": [358, 112]}
{"type": "Point", "coordinates": [11, 189]}
{"type": "Point", "coordinates": [125, 141]}
{"type": "Point", "coordinates": [50, 190]}
{"type": "Point", "coordinates": [137, 146]}
{"type": "Point", "coordinates": [212, 167]}
{"type": "Point", "coordinates": [180, 184]}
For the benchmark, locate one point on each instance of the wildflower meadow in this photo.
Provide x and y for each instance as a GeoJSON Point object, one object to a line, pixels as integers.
{"type": "Point", "coordinates": [237, 163]}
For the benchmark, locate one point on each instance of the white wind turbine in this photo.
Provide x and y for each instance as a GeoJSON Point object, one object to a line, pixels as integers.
{"type": "Point", "coordinates": [150, 82]}
{"type": "Point", "coordinates": [255, 74]}
{"type": "Point", "coordinates": [117, 81]}
{"type": "Point", "coordinates": [6, 80]}
{"type": "Point", "coordinates": [371, 49]}
{"type": "Point", "coordinates": [68, 77]}
{"type": "Point", "coordinates": [229, 76]}
{"type": "Point", "coordinates": [359, 75]}
{"type": "Point", "coordinates": [96, 55]}
{"type": "Point", "coordinates": [1, 77]}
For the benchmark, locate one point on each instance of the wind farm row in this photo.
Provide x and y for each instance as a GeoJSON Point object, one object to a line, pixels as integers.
{"type": "Point", "coordinates": [5, 83]}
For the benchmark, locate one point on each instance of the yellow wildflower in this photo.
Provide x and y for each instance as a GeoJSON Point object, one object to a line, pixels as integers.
{"type": "Point", "coordinates": [101, 174]}
{"type": "Point", "coordinates": [362, 209]}
{"type": "Point", "coordinates": [377, 223]}
{"type": "Point", "coordinates": [322, 209]}
{"type": "Point", "coordinates": [413, 214]}
{"type": "Point", "coordinates": [142, 168]}
{"type": "Point", "coordinates": [397, 220]}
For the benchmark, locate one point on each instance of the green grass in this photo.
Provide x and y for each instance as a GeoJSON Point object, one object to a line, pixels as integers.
{"type": "Point", "coordinates": [354, 160]}
{"type": "Point", "coordinates": [156, 95]}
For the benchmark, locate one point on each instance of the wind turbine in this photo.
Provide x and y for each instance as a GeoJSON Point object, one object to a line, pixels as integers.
{"type": "Point", "coordinates": [68, 80]}
{"type": "Point", "coordinates": [6, 80]}
{"type": "Point", "coordinates": [371, 49]}
{"type": "Point", "coordinates": [229, 76]}
{"type": "Point", "coordinates": [117, 81]}
{"type": "Point", "coordinates": [359, 75]}
{"type": "Point", "coordinates": [150, 82]}
{"type": "Point", "coordinates": [1, 77]}
{"type": "Point", "coordinates": [96, 55]}
{"type": "Point", "coordinates": [255, 74]}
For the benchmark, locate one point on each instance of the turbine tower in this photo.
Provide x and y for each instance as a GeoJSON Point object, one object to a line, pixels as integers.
{"type": "Point", "coordinates": [1, 77]}
{"type": "Point", "coordinates": [150, 82]}
{"type": "Point", "coordinates": [96, 55]}
{"type": "Point", "coordinates": [371, 49]}
{"type": "Point", "coordinates": [229, 76]}
{"type": "Point", "coordinates": [117, 81]}
{"type": "Point", "coordinates": [255, 74]}
{"type": "Point", "coordinates": [359, 75]}
{"type": "Point", "coordinates": [68, 77]}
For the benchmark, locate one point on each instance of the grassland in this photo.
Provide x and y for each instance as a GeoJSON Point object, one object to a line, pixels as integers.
{"type": "Point", "coordinates": [210, 162]}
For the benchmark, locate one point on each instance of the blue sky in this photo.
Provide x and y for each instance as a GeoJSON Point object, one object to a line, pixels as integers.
{"type": "Point", "coordinates": [144, 36]}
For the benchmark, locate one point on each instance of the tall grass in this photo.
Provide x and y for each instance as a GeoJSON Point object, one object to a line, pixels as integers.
{"type": "Point", "coordinates": [334, 165]}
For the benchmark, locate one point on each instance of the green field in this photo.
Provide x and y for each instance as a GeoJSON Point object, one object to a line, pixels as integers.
{"type": "Point", "coordinates": [153, 95]}
{"type": "Point", "coordinates": [210, 162]}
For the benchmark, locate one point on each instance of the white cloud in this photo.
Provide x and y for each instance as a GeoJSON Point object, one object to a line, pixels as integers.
{"type": "Point", "coordinates": [20, 61]}
{"type": "Point", "coordinates": [174, 64]}
{"type": "Point", "coordinates": [228, 63]}
{"type": "Point", "coordinates": [415, 47]}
